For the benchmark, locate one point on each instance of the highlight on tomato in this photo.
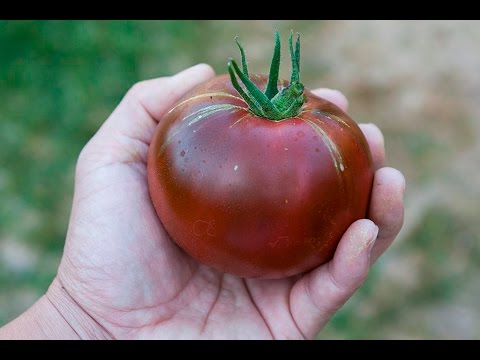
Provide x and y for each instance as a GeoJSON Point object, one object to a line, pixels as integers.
{"type": "Point", "coordinates": [257, 176]}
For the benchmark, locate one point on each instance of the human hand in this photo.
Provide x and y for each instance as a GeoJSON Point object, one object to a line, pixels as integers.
{"type": "Point", "coordinates": [121, 276]}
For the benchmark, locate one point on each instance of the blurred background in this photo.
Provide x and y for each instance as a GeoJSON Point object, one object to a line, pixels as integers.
{"type": "Point", "coordinates": [418, 80]}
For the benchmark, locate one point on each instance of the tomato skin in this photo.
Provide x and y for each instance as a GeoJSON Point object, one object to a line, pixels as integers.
{"type": "Point", "coordinates": [253, 197]}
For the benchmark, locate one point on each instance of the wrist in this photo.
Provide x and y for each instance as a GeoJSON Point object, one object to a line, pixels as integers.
{"type": "Point", "coordinates": [41, 321]}
{"type": "Point", "coordinates": [55, 315]}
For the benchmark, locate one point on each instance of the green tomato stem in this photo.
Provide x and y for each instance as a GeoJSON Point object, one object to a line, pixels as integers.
{"type": "Point", "coordinates": [272, 86]}
{"type": "Point", "coordinates": [273, 105]}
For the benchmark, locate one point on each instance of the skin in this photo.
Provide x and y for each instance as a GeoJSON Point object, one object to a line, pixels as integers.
{"type": "Point", "coordinates": [253, 197]}
{"type": "Point", "coordinates": [122, 277]}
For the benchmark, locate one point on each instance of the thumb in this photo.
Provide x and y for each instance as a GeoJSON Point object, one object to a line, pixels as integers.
{"type": "Point", "coordinates": [126, 134]}
{"type": "Point", "coordinates": [320, 293]}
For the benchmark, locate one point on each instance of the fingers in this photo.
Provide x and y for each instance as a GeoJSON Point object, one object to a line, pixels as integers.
{"type": "Point", "coordinates": [333, 96]}
{"type": "Point", "coordinates": [316, 296]}
{"type": "Point", "coordinates": [372, 133]}
{"type": "Point", "coordinates": [386, 207]}
{"type": "Point", "coordinates": [320, 293]}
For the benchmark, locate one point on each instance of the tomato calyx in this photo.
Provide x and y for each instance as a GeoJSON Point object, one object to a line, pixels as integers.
{"type": "Point", "coordinates": [273, 104]}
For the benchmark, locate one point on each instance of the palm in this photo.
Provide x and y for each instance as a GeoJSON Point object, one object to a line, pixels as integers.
{"type": "Point", "coordinates": [122, 268]}
{"type": "Point", "coordinates": [161, 289]}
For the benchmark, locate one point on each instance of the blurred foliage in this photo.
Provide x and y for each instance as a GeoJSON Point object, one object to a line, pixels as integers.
{"type": "Point", "coordinates": [431, 275]}
{"type": "Point", "coordinates": [59, 80]}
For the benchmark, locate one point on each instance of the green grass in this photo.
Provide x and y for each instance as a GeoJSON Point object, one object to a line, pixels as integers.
{"type": "Point", "coordinates": [59, 80]}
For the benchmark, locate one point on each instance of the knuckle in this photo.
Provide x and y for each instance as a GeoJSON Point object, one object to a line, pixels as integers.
{"type": "Point", "coordinates": [83, 159]}
{"type": "Point", "coordinates": [137, 90]}
{"type": "Point", "coordinates": [391, 224]}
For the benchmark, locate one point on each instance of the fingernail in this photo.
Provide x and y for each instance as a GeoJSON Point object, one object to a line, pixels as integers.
{"type": "Point", "coordinates": [404, 185]}
{"type": "Point", "coordinates": [373, 237]}
{"type": "Point", "coordinates": [340, 95]}
{"type": "Point", "coordinates": [333, 95]}
{"type": "Point", "coordinates": [364, 243]}
{"type": "Point", "coordinates": [193, 68]}
{"type": "Point", "coordinates": [335, 92]}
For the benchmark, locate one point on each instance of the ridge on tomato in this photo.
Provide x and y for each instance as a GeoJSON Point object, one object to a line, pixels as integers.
{"type": "Point", "coordinates": [259, 180]}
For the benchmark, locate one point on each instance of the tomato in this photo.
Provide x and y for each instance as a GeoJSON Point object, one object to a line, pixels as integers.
{"type": "Point", "coordinates": [256, 196]}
